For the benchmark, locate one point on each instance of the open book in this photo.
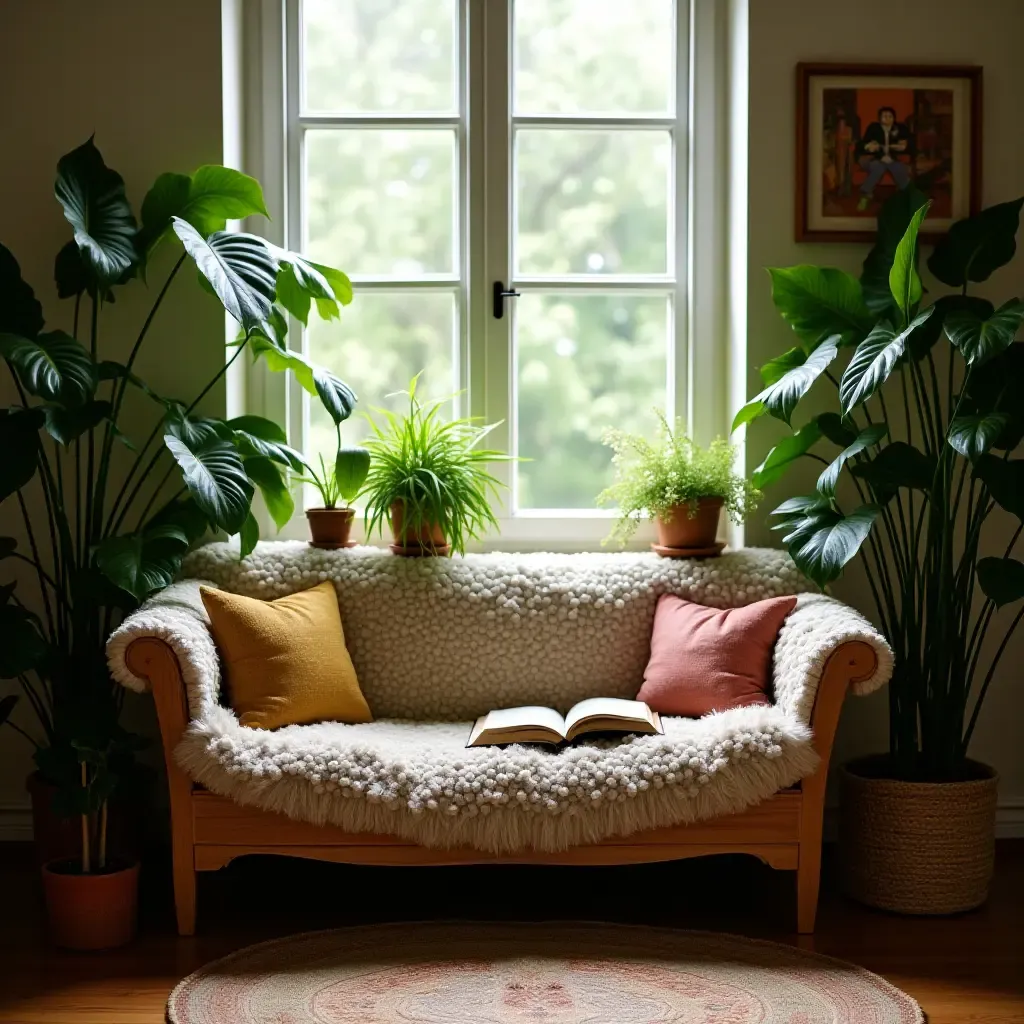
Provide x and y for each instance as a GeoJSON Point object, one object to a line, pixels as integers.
{"type": "Point", "coordinates": [545, 725]}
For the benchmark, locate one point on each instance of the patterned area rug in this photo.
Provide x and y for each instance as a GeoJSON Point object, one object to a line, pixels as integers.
{"type": "Point", "coordinates": [532, 974]}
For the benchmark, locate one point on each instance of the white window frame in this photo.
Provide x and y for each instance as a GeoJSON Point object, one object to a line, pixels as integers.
{"type": "Point", "coordinates": [484, 359]}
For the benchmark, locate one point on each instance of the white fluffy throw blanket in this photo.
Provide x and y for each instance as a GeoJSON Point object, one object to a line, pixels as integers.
{"type": "Point", "coordinates": [436, 642]}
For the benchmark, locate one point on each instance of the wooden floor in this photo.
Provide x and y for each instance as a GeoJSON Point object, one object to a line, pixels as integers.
{"type": "Point", "coordinates": [965, 970]}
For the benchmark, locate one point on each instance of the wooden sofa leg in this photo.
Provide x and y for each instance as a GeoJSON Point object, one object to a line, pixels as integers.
{"type": "Point", "coordinates": [184, 889]}
{"type": "Point", "coordinates": [808, 880]}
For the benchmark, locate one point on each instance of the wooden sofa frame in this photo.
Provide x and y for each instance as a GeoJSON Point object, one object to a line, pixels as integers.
{"type": "Point", "coordinates": [209, 831]}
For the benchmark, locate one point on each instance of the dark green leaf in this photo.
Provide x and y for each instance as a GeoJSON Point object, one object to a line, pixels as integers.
{"type": "Point", "coordinates": [95, 205]}
{"type": "Point", "coordinates": [215, 477]}
{"type": "Point", "coordinates": [337, 397]}
{"type": "Point", "coordinates": [64, 424]}
{"type": "Point", "coordinates": [781, 397]}
{"type": "Point", "coordinates": [267, 477]}
{"type": "Point", "coordinates": [897, 465]}
{"type": "Point", "coordinates": [835, 429]}
{"type": "Point", "coordinates": [1001, 579]}
{"type": "Point", "coordinates": [22, 647]}
{"type": "Point", "coordinates": [785, 453]}
{"type": "Point", "coordinates": [1005, 482]}
{"type": "Point", "coordinates": [351, 468]}
{"type": "Point", "coordinates": [873, 361]}
{"type": "Point", "coordinates": [904, 280]}
{"type": "Point", "coordinates": [195, 430]}
{"type": "Point", "coordinates": [53, 366]}
{"type": "Point", "coordinates": [823, 541]}
{"type": "Point", "coordinates": [818, 302]}
{"type": "Point", "coordinates": [923, 337]}
{"type": "Point", "coordinates": [20, 311]}
{"type": "Point", "coordinates": [977, 246]}
{"type": "Point", "coordinates": [141, 563]}
{"type": "Point", "coordinates": [972, 436]}
{"type": "Point", "coordinates": [255, 435]}
{"type": "Point", "coordinates": [19, 441]}
{"type": "Point", "coordinates": [239, 269]}
{"type": "Point", "coordinates": [865, 439]}
{"type": "Point", "coordinates": [186, 515]}
{"type": "Point", "coordinates": [982, 338]}
{"type": "Point", "coordinates": [781, 365]}
{"type": "Point", "coordinates": [7, 705]}
{"type": "Point", "coordinates": [8, 545]}
{"type": "Point", "coordinates": [248, 536]}
{"type": "Point", "coordinates": [893, 221]}
{"type": "Point", "coordinates": [207, 200]}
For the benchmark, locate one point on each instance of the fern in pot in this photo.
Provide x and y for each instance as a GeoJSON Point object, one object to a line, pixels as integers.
{"type": "Point", "coordinates": [921, 484]}
{"type": "Point", "coordinates": [429, 478]}
{"type": "Point", "coordinates": [679, 485]}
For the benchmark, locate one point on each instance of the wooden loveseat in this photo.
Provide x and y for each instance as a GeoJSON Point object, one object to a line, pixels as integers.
{"type": "Point", "coordinates": [733, 783]}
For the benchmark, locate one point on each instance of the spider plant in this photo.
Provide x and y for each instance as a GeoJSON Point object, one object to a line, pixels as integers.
{"type": "Point", "coordinates": [431, 468]}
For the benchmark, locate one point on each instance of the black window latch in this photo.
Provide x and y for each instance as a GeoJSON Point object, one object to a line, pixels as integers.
{"type": "Point", "coordinates": [501, 293]}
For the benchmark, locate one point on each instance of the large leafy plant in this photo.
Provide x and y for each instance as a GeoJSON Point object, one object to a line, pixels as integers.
{"type": "Point", "coordinates": [927, 388]}
{"type": "Point", "coordinates": [107, 520]}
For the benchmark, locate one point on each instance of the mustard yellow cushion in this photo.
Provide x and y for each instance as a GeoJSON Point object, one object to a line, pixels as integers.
{"type": "Point", "coordinates": [285, 661]}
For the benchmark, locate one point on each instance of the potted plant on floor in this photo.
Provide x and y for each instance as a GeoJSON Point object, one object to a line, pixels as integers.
{"type": "Point", "coordinates": [679, 485]}
{"type": "Point", "coordinates": [92, 899]}
{"type": "Point", "coordinates": [105, 519]}
{"type": "Point", "coordinates": [929, 416]}
{"type": "Point", "coordinates": [330, 526]}
{"type": "Point", "coordinates": [429, 478]}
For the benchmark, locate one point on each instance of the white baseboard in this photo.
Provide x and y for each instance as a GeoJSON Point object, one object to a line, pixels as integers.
{"type": "Point", "coordinates": [16, 822]}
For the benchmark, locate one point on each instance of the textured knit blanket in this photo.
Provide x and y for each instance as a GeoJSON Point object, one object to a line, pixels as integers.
{"type": "Point", "coordinates": [436, 642]}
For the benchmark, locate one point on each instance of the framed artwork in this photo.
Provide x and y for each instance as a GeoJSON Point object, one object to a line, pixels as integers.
{"type": "Point", "coordinates": [865, 131]}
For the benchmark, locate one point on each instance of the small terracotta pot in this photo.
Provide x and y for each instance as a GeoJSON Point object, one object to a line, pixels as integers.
{"type": "Point", "coordinates": [427, 539]}
{"type": "Point", "coordinates": [684, 531]}
{"type": "Point", "coordinates": [330, 527]}
{"type": "Point", "coordinates": [91, 911]}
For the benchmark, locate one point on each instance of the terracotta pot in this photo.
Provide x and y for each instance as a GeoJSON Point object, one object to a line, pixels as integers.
{"type": "Point", "coordinates": [330, 527]}
{"type": "Point", "coordinates": [684, 531]}
{"type": "Point", "coordinates": [91, 911]}
{"type": "Point", "coordinates": [916, 847]}
{"type": "Point", "coordinates": [58, 838]}
{"type": "Point", "coordinates": [428, 539]}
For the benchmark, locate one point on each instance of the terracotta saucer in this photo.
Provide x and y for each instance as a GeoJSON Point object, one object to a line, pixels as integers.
{"type": "Point", "coordinates": [440, 551]}
{"type": "Point", "coordinates": [335, 547]}
{"type": "Point", "coordinates": [708, 552]}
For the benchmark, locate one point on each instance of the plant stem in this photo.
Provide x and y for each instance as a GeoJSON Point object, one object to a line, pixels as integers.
{"type": "Point", "coordinates": [122, 387]}
{"type": "Point", "coordinates": [217, 376]}
{"type": "Point", "coordinates": [988, 679]}
{"type": "Point", "coordinates": [37, 562]}
{"type": "Point", "coordinates": [101, 858]}
{"type": "Point", "coordinates": [90, 470]}
{"type": "Point", "coordinates": [86, 851]}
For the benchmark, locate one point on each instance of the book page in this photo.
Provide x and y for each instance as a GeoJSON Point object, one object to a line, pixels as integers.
{"type": "Point", "coordinates": [608, 707]}
{"type": "Point", "coordinates": [531, 717]}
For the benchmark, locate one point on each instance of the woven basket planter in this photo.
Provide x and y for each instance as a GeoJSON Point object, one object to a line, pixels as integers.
{"type": "Point", "coordinates": [917, 847]}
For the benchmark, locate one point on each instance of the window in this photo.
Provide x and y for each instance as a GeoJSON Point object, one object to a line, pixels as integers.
{"type": "Point", "coordinates": [431, 148]}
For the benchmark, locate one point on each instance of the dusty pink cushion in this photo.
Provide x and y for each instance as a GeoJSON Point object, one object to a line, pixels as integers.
{"type": "Point", "coordinates": [711, 659]}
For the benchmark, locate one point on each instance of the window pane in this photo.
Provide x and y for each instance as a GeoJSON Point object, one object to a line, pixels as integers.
{"type": "Point", "coordinates": [584, 363]}
{"type": "Point", "coordinates": [593, 56]}
{"type": "Point", "coordinates": [592, 202]}
{"type": "Point", "coordinates": [384, 56]}
{"type": "Point", "coordinates": [381, 201]}
{"type": "Point", "coordinates": [380, 342]}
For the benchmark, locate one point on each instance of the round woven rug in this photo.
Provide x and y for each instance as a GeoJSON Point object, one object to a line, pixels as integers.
{"type": "Point", "coordinates": [532, 974]}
